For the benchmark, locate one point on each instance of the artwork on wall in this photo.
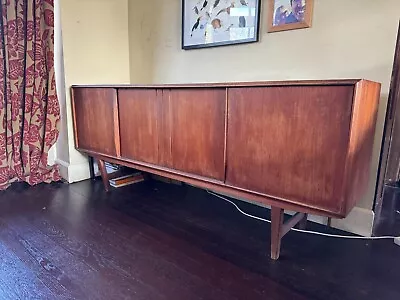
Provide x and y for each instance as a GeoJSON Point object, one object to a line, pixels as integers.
{"type": "Point", "coordinates": [210, 23]}
{"type": "Point", "coordinates": [289, 14]}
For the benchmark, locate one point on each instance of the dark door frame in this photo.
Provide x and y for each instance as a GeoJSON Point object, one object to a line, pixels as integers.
{"type": "Point", "coordinates": [389, 163]}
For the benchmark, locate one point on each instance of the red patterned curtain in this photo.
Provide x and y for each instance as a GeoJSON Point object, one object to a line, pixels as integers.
{"type": "Point", "coordinates": [29, 108]}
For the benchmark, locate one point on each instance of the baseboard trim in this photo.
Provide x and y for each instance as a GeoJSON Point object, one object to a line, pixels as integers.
{"type": "Point", "coordinates": [63, 167]}
{"type": "Point", "coordinates": [359, 221]}
{"type": "Point", "coordinates": [73, 173]}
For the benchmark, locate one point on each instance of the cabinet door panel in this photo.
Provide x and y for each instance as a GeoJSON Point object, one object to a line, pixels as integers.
{"type": "Point", "coordinates": [290, 142]}
{"type": "Point", "coordinates": [198, 131]}
{"type": "Point", "coordinates": [94, 110]}
{"type": "Point", "coordinates": [139, 125]}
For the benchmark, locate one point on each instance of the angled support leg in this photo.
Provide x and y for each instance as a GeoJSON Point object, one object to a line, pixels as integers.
{"type": "Point", "coordinates": [104, 174]}
{"type": "Point", "coordinates": [280, 228]}
{"type": "Point", "coordinates": [303, 222]}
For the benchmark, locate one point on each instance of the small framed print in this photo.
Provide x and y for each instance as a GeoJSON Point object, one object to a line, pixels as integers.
{"type": "Point", "coordinates": [211, 23]}
{"type": "Point", "coordinates": [289, 14]}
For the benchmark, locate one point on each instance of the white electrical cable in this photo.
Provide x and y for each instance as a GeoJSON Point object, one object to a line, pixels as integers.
{"type": "Point", "coordinates": [306, 231]}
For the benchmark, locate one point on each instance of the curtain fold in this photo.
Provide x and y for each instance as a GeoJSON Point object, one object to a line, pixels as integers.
{"type": "Point", "coordinates": [29, 108]}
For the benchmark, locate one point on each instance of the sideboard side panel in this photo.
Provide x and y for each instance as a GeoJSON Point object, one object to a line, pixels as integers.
{"type": "Point", "coordinates": [290, 142]}
{"type": "Point", "coordinates": [365, 112]}
{"type": "Point", "coordinates": [94, 119]}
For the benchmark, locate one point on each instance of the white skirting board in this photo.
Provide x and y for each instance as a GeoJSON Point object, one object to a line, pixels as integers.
{"type": "Point", "coordinates": [397, 241]}
{"type": "Point", "coordinates": [73, 173]}
{"type": "Point", "coordinates": [360, 220]}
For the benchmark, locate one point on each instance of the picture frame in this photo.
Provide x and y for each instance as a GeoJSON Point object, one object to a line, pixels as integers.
{"type": "Point", "coordinates": [213, 23]}
{"type": "Point", "coordinates": [289, 14]}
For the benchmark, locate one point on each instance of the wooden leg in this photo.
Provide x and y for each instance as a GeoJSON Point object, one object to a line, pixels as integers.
{"type": "Point", "coordinates": [276, 229]}
{"type": "Point", "coordinates": [279, 228]}
{"type": "Point", "coordinates": [91, 167]}
{"type": "Point", "coordinates": [329, 223]}
{"type": "Point", "coordinates": [303, 222]}
{"type": "Point", "coordinates": [104, 175]}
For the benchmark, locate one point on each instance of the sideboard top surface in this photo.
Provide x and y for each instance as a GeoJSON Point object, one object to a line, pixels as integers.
{"type": "Point", "coordinates": [229, 84]}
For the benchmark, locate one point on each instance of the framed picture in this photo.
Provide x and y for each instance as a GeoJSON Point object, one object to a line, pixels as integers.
{"type": "Point", "coordinates": [289, 14]}
{"type": "Point", "coordinates": [210, 23]}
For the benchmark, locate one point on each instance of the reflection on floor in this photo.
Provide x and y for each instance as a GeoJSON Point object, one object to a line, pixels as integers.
{"type": "Point", "coordinates": [388, 221]}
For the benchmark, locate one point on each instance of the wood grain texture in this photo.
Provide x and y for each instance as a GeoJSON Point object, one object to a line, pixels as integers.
{"type": "Point", "coordinates": [286, 144]}
{"type": "Point", "coordinates": [139, 124]}
{"type": "Point", "coordinates": [165, 137]}
{"type": "Point", "coordinates": [91, 105]}
{"type": "Point", "coordinates": [104, 175]}
{"type": "Point", "coordinates": [294, 143]}
{"type": "Point", "coordinates": [276, 230]}
{"type": "Point", "coordinates": [279, 228]}
{"type": "Point", "coordinates": [358, 161]}
{"type": "Point", "coordinates": [76, 141]}
{"type": "Point", "coordinates": [198, 131]}
{"type": "Point", "coordinates": [117, 126]}
{"type": "Point", "coordinates": [298, 218]}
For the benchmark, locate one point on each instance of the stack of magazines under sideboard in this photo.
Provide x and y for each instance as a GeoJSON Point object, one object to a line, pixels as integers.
{"type": "Point", "coordinates": [122, 176]}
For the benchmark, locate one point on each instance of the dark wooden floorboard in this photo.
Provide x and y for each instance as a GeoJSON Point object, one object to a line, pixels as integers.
{"type": "Point", "coordinates": [19, 281]}
{"type": "Point", "coordinates": [388, 221]}
{"type": "Point", "coordinates": [152, 263]}
{"type": "Point", "coordinates": [159, 241]}
{"type": "Point", "coordinates": [232, 242]}
{"type": "Point", "coordinates": [44, 268]}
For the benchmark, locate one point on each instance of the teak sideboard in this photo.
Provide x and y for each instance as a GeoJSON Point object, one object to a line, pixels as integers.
{"type": "Point", "coordinates": [304, 146]}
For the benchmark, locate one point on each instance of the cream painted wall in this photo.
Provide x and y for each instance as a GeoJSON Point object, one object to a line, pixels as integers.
{"type": "Point", "coordinates": [95, 50]}
{"type": "Point", "coordinates": [141, 32]}
{"type": "Point", "coordinates": [349, 39]}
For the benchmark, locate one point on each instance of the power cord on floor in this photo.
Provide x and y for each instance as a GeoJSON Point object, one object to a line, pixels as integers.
{"type": "Point", "coordinates": [306, 231]}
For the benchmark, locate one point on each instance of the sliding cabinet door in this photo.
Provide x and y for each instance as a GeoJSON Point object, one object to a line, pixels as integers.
{"type": "Point", "coordinates": [196, 117]}
{"type": "Point", "coordinates": [290, 142]}
{"type": "Point", "coordinates": [139, 124]}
